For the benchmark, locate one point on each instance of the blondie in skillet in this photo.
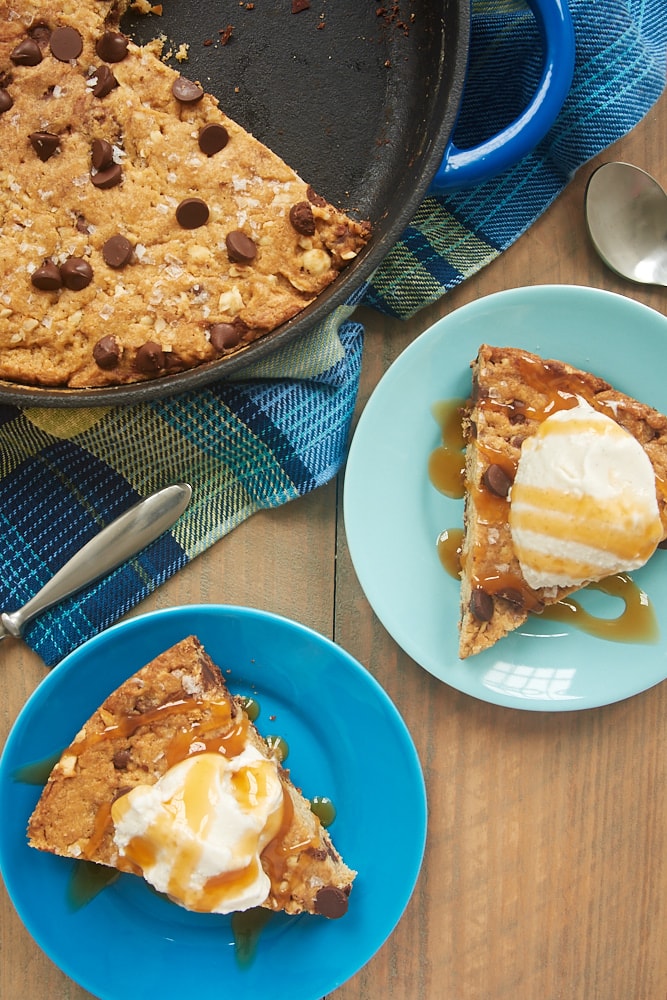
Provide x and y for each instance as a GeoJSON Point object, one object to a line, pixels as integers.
{"type": "Point", "coordinates": [142, 231]}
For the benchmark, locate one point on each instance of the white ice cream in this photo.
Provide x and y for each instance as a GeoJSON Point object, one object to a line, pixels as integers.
{"type": "Point", "coordinates": [198, 833]}
{"type": "Point", "coordinates": [583, 504]}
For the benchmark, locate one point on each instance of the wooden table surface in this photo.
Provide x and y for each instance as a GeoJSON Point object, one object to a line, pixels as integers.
{"type": "Point", "coordinates": [545, 874]}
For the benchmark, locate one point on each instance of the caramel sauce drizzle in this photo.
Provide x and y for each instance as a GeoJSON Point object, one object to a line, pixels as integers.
{"type": "Point", "coordinates": [446, 465]}
{"type": "Point", "coordinates": [187, 742]}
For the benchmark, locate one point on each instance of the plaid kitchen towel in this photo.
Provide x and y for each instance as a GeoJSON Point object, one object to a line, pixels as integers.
{"type": "Point", "coordinates": [621, 51]}
{"type": "Point", "coordinates": [281, 430]}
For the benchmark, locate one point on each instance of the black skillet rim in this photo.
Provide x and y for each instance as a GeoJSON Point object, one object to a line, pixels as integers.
{"type": "Point", "coordinates": [446, 106]}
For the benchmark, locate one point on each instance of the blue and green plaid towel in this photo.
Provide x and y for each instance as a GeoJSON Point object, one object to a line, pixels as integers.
{"type": "Point", "coordinates": [281, 430]}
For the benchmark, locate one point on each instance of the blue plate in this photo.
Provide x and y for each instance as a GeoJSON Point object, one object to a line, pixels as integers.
{"type": "Point", "coordinates": [393, 514]}
{"type": "Point", "coordinates": [346, 741]}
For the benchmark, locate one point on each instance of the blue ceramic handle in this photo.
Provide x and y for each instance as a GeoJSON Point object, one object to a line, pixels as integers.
{"type": "Point", "coordinates": [466, 167]}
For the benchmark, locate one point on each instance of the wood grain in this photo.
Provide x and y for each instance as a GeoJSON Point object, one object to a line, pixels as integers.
{"type": "Point", "coordinates": [545, 873]}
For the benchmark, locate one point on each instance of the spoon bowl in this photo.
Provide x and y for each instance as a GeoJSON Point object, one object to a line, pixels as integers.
{"type": "Point", "coordinates": [626, 215]}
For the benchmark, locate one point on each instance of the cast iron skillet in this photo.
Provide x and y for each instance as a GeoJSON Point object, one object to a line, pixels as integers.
{"type": "Point", "coordinates": [360, 98]}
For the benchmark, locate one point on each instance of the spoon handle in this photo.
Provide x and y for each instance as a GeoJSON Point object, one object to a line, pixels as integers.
{"type": "Point", "coordinates": [124, 537]}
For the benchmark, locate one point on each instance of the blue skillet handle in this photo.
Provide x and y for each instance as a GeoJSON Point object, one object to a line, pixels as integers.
{"type": "Point", "coordinates": [467, 167]}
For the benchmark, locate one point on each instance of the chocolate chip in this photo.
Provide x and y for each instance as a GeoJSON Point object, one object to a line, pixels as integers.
{"type": "Point", "coordinates": [107, 178]}
{"type": "Point", "coordinates": [112, 46]}
{"type": "Point", "coordinates": [26, 53]}
{"type": "Point", "coordinates": [106, 81]}
{"type": "Point", "coordinates": [44, 143]}
{"type": "Point", "coordinates": [224, 336]}
{"type": "Point", "coordinates": [121, 758]}
{"type": "Point", "coordinates": [117, 251]}
{"type": "Point", "coordinates": [302, 219]}
{"type": "Point", "coordinates": [192, 213]}
{"type": "Point", "coordinates": [240, 247]}
{"type": "Point", "coordinates": [318, 853]}
{"type": "Point", "coordinates": [314, 198]}
{"type": "Point", "coordinates": [663, 544]}
{"type": "Point", "coordinates": [106, 353]}
{"type": "Point", "coordinates": [76, 273]}
{"type": "Point", "coordinates": [481, 605]}
{"type": "Point", "coordinates": [497, 481]}
{"type": "Point", "coordinates": [123, 790]}
{"type": "Point", "coordinates": [512, 595]}
{"type": "Point", "coordinates": [47, 277]}
{"type": "Point", "coordinates": [187, 91]}
{"type": "Point", "coordinates": [81, 225]}
{"type": "Point", "coordinates": [150, 358]}
{"type": "Point", "coordinates": [331, 902]}
{"type": "Point", "coordinates": [213, 138]}
{"type": "Point", "coordinates": [40, 33]}
{"type": "Point", "coordinates": [6, 100]}
{"type": "Point", "coordinates": [101, 154]}
{"type": "Point", "coordinates": [66, 43]}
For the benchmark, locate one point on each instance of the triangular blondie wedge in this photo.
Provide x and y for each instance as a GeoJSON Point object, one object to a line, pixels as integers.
{"type": "Point", "coordinates": [169, 779]}
{"type": "Point", "coordinates": [568, 529]}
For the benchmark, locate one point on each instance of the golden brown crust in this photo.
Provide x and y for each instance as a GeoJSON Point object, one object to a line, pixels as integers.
{"type": "Point", "coordinates": [180, 285]}
{"type": "Point", "coordinates": [134, 736]}
{"type": "Point", "coordinates": [512, 393]}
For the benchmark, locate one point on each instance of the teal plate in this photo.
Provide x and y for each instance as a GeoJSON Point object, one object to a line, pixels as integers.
{"type": "Point", "coordinates": [346, 741]}
{"type": "Point", "coordinates": [394, 515]}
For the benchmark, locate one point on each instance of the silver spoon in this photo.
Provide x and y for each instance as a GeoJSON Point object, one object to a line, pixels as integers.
{"type": "Point", "coordinates": [124, 537]}
{"type": "Point", "coordinates": [626, 214]}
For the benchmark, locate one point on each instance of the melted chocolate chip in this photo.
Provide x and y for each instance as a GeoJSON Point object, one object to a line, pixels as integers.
{"type": "Point", "coordinates": [331, 902]}
{"type": "Point", "coordinates": [40, 33]}
{"type": "Point", "coordinates": [47, 277]}
{"type": "Point", "coordinates": [150, 358]}
{"type": "Point", "coordinates": [187, 91]}
{"type": "Point", "coordinates": [65, 44]}
{"type": "Point", "coordinates": [497, 481]}
{"type": "Point", "coordinates": [45, 144]}
{"type": "Point", "coordinates": [240, 247]}
{"type": "Point", "coordinates": [117, 251]}
{"type": "Point", "coordinates": [101, 155]}
{"type": "Point", "coordinates": [26, 53]}
{"type": "Point", "coordinates": [224, 336]}
{"type": "Point", "coordinates": [213, 138]}
{"type": "Point", "coordinates": [108, 177]}
{"type": "Point", "coordinates": [314, 198]}
{"type": "Point", "coordinates": [481, 605]}
{"type": "Point", "coordinates": [512, 595]}
{"type": "Point", "coordinates": [192, 213]}
{"type": "Point", "coordinates": [106, 81]}
{"type": "Point", "coordinates": [106, 353]}
{"type": "Point", "coordinates": [112, 46]}
{"type": "Point", "coordinates": [121, 759]}
{"type": "Point", "coordinates": [81, 225]}
{"type": "Point", "coordinates": [318, 853]}
{"type": "Point", "coordinates": [302, 219]}
{"type": "Point", "coordinates": [6, 100]}
{"type": "Point", "coordinates": [76, 273]}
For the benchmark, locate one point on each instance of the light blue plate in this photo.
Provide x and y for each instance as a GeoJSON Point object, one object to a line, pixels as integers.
{"type": "Point", "coordinates": [346, 741]}
{"type": "Point", "coordinates": [393, 515]}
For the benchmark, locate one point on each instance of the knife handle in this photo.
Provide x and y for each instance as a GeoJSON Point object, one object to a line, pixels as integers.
{"type": "Point", "coordinates": [123, 538]}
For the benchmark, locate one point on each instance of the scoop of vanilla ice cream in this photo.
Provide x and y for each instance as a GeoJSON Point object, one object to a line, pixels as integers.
{"type": "Point", "coordinates": [197, 833]}
{"type": "Point", "coordinates": [583, 503]}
